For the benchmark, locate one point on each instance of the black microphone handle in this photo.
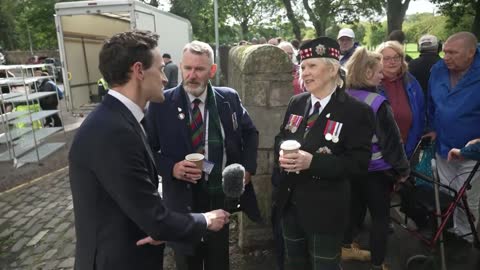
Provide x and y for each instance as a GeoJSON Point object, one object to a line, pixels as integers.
{"type": "Point", "coordinates": [232, 205]}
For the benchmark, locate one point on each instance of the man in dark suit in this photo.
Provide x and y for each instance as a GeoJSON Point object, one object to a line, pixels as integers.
{"type": "Point", "coordinates": [335, 133]}
{"type": "Point", "coordinates": [200, 118]}
{"type": "Point", "coordinates": [120, 217]}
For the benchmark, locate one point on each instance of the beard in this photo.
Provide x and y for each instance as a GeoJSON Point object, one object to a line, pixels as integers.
{"type": "Point", "coordinates": [196, 89]}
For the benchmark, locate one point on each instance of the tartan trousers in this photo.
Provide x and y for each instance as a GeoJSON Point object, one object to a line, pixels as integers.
{"type": "Point", "coordinates": [309, 251]}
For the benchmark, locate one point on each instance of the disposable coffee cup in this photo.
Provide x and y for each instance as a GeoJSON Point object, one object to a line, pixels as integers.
{"type": "Point", "coordinates": [197, 159]}
{"type": "Point", "coordinates": [290, 146]}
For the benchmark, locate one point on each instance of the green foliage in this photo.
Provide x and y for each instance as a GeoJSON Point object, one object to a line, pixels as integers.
{"type": "Point", "coordinates": [23, 20]}
{"type": "Point", "coordinates": [375, 34]}
{"type": "Point", "coordinates": [418, 25]}
{"type": "Point", "coordinates": [461, 14]}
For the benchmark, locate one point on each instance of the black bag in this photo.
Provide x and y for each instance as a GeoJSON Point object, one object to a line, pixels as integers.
{"type": "Point", "coordinates": [418, 204]}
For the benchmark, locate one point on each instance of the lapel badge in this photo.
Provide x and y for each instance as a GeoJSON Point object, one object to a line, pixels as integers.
{"type": "Point", "coordinates": [324, 150]}
{"type": "Point", "coordinates": [181, 116]}
{"type": "Point", "coordinates": [179, 109]}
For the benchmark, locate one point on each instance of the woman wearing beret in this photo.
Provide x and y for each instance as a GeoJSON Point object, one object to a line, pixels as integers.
{"type": "Point", "coordinates": [335, 132]}
{"type": "Point", "coordinates": [388, 162]}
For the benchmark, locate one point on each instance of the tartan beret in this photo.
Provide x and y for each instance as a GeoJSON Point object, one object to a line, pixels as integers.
{"type": "Point", "coordinates": [320, 47]}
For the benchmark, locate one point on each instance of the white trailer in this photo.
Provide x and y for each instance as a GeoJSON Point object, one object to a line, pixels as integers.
{"type": "Point", "coordinates": [83, 26]}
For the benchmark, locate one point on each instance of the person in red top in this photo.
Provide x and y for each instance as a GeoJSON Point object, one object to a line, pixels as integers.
{"type": "Point", "coordinates": [287, 47]}
{"type": "Point", "coordinates": [404, 94]}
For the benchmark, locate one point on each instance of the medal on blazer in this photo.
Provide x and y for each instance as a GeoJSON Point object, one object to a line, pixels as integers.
{"type": "Point", "coordinates": [332, 131]}
{"type": "Point", "coordinates": [294, 122]}
{"type": "Point", "coordinates": [181, 116]}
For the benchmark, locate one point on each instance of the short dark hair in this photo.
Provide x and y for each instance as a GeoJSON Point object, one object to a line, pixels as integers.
{"type": "Point", "coordinates": [397, 35]}
{"type": "Point", "coordinates": [166, 55]}
{"type": "Point", "coordinates": [121, 51]}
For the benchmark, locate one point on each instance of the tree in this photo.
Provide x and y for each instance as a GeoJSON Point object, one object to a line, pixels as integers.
{"type": "Point", "coordinates": [250, 12]}
{"type": "Point", "coordinates": [323, 13]}
{"type": "Point", "coordinates": [396, 10]}
{"type": "Point", "coordinates": [293, 19]}
{"type": "Point", "coordinates": [457, 10]}
{"type": "Point", "coordinates": [7, 24]}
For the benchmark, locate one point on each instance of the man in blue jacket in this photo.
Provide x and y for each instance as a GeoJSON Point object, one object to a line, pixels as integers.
{"type": "Point", "coordinates": [200, 118]}
{"type": "Point", "coordinates": [454, 113]}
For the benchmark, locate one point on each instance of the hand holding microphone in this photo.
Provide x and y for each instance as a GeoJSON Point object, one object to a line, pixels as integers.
{"type": "Point", "coordinates": [216, 219]}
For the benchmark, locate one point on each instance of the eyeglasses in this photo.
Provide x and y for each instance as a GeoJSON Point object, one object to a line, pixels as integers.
{"type": "Point", "coordinates": [394, 59]}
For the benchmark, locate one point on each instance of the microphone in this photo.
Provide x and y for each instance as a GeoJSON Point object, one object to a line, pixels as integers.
{"type": "Point", "coordinates": [233, 186]}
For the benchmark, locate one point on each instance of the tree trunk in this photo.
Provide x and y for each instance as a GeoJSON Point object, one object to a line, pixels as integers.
{"type": "Point", "coordinates": [293, 20]}
{"type": "Point", "coordinates": [317, 24]}
{"type": "Point", "coordinates": [244, 27]}
{"type": "Point", "coordinates": [476, 20]}
{"type": "Point", "coordinates": [396, 14]}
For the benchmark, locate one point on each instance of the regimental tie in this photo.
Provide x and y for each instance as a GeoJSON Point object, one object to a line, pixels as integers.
{"type": "Point", "coordinates": [196, 125]}
{"type": "Point", "coordinates": [312, 118]}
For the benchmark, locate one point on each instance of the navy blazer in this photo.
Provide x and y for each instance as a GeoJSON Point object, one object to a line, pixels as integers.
{"type": "Point", "coordinates": [169, 136]}
{"type": "Point", "coordinates": [115, 199]}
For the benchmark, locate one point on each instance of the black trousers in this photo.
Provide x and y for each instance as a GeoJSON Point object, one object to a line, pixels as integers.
{"type": "Point", "coordinates": [210, 254]}
{"type": "Point", "coordinates": [279, 245]}
{"type": "Point", "coordinates": [374, 192]}
{"type": "Point", "coordinates": [53, 120]}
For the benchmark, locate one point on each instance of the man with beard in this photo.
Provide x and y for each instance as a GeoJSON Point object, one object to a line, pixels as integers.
{"type": "Point", "coordinates": [120, 217]}
{"type": "Point", "coordinates": [200, 118]}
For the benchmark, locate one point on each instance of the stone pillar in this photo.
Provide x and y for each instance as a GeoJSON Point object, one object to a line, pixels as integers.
{"type": "Point", "coordinates": [262, 76]}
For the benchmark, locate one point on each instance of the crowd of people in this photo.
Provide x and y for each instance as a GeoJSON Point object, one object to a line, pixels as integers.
{"type": "Point", "coordinates": [355, 118]}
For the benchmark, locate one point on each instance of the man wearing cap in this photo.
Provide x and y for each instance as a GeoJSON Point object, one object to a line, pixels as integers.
{"type": "Point", "coordinates": [335, 132]}
{"type": "Point", "coordinates": [420, 67]}
{"type": "Point", "coordinates": [454, 116]}
{"type": "Point", "coordinates": [171, 71]}
{"type": "Point", "coordinates": [346, 40]}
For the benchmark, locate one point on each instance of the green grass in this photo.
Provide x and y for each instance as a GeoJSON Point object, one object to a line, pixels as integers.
{"type": "Point", "coordinates": [411, 49]}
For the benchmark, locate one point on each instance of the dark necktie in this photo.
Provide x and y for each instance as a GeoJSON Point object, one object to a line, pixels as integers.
{"type": "Point", "coordinates": [196, 125]}
{"type": "Point", "coordinates": [313, 117]}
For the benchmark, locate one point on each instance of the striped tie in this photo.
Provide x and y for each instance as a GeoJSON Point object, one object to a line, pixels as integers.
{"type": "Point", "coordinates": [196, 126]}
{"type": "Point", "coordinates": [313, 117]}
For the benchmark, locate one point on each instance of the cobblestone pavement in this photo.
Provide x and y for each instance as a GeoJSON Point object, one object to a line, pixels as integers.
{"type": "Point", "coordinates": [37, 232]}
{"type": "Point", "coordinates": [36, 225]}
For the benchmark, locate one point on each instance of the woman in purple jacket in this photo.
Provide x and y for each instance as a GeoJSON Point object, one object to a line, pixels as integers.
{"type": "Point", "coordinates": [388, 163]}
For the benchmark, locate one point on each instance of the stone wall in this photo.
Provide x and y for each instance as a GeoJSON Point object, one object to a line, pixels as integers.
{"type": "Point", "coordinates": [21, 57]}
{"type": "Point", "coordinates": [262, 76]}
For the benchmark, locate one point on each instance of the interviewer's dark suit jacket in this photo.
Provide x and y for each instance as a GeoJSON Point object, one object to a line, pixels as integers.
{"type": "Point", "coordinates": [170, 137]}
{"type": "Point", "coordinates": [322, 193]}
{"type": "Point", "coordinates": [116, 203]}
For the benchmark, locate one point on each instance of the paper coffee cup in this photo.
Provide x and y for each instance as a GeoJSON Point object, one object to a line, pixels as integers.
{"type": "Point", "coordinates": [290, 146]}
{"type": "Point", "coordinates": [197, 159]}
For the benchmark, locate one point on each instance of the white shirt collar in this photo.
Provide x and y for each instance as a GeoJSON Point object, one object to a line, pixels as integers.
{"type": "Point", "coordinates": [323, 102]}
{"type": "Point", "coordinates": [131, 106]}
{"type": "Point", "coordinates": [202, 97]}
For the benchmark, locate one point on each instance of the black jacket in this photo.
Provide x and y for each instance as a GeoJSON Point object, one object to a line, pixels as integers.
{"type": "Point", "coordinates": [420, 68]}
{"type": "Point", "coordinates": [322, 192]}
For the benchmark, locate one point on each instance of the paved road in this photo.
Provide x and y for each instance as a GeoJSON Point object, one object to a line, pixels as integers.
{"type": "Point", "coordinates": [36, 225]}
{"type": "Point", "coordinates": [37, 232]}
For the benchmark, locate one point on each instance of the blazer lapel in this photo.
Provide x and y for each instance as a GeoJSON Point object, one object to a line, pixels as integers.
{"type": "Point", "coordinates": [130, 119]}
{"type": "Point", "coordinates": [225, 113]}
{"type": "Point", "coordinates": [179, 99]}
